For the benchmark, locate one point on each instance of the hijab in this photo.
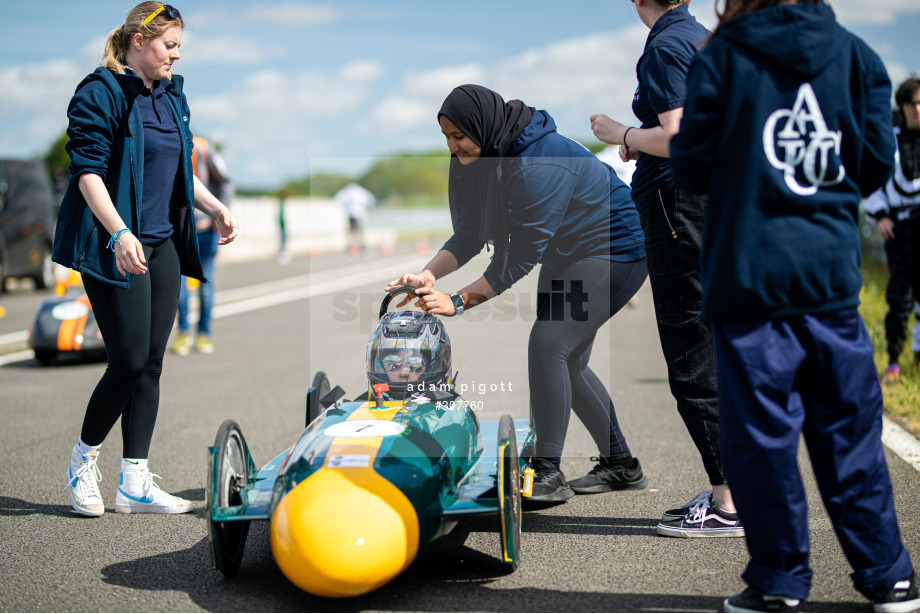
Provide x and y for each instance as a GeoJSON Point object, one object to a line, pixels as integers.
{"type": "Point", "coordinates": [494, 125]}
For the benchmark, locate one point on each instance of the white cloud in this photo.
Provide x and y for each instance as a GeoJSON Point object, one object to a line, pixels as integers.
{"type": "Point", "coordinates": [276, 121]}
{"type": "Point", "coordinates": [849, 12]}
{"type": "Point", "coordinates": [293, 15]}
{"type": "Point", "coordinates": [365, 70]}
{"type": "Point", "coordinates": [227, 50]}
{"type": "Point", "coordinates": [273, 106]}
{"type": "Point", "coordinates": [287, 15]}
{"type": "Point", "coordinates": [33, 104]}
{"type": "Point", "coordinates": [878, 12]}
{"type": "Point", "coordinates": [414, 105]}
{"type": "Point", "coordinates": [576, 78]}
{"type": "Point", "coordinates": [37, 88]}
{"type": "Point", "coordinates": [571, 79]}
{"type": "Point", "coordinates": [273, 121]}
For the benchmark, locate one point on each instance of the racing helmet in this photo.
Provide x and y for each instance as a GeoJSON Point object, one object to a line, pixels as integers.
{"type": "Point", "coordinates": [410, 351]}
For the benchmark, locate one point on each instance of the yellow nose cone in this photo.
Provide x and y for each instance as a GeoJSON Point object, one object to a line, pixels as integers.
{"type": "Point", "coordinates": [344, 532]}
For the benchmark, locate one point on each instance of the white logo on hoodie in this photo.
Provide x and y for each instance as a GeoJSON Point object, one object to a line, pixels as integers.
{"type": "Point", "coordinates": [803, 142]}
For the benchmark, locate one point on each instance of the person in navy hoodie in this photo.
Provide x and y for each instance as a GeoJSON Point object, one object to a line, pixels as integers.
{"type": "Point", "coordinates": [540, 197]}
{"type": "Point", "coordinates": [672, 220]}
{"type": "Point", "coordinates": [126, 223]}
{"type": "Point", "coordinates": [787, 126]}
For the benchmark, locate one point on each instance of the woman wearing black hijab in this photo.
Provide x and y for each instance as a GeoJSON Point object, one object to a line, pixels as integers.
{"type": "Point", "coordinates": [539, 197]}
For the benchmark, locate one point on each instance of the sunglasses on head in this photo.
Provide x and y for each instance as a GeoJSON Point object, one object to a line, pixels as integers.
{"type": "Point", "coordinates": [394, 362]}
{"type": "Point", "coordinates": [171, 13]}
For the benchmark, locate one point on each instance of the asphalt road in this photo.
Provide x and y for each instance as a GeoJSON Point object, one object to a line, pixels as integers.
{"type": "Point", "coordinates": [275, 327]}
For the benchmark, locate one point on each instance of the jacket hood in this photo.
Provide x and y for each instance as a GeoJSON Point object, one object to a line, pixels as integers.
{"type": "Point", "coordinates": [803, 38]}
{"type": "Point", "coordinates": [541, 125]}
{"type": "Point", "coordinates": [129, 83]}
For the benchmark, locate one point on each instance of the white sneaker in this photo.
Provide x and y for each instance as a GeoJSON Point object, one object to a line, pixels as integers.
{"type": "Point", "coordinates": [83, 484]}
{"type": "Point", "coordinates": [138, 494]}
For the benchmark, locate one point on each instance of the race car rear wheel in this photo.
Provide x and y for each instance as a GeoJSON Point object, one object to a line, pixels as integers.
{"type": "Point", "coordinates": [231, 477]}
{"type": "Point", "coordinates": [509, 493]}
{"type": "Point", "coordinates": [321, 383]}
{"type": "Point", "coordinates": [321, 387]}
{"type": "Point", "coordinates": [45, 278]}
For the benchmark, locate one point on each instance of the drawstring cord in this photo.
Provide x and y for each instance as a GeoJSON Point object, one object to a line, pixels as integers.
{"type": "Point", "coordinates": [665, 212]}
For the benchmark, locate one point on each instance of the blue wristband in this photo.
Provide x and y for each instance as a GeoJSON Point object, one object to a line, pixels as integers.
{"type": "Point", "coordinates": [114, 239]}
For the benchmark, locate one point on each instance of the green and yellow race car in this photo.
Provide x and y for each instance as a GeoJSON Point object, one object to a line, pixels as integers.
{"type": "Point", "coordinates": [371, 483]}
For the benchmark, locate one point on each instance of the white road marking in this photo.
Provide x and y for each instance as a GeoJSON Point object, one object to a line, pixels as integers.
{"type": "Point", "coordinates": [901, 443]}
{"type": "Point", "coordinates": [270, 294]}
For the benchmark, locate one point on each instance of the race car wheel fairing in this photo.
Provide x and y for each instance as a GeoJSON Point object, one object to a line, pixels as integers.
{"type": "Point", "coordinates": [509, 493]}
{"type": "Point", "coordinates": [228, 475]}
{"type": "Point", "coordinates": [319, 388]}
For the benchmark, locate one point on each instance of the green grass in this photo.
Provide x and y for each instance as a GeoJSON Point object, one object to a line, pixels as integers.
{"type": "Point", "coordinates": [902, 400]}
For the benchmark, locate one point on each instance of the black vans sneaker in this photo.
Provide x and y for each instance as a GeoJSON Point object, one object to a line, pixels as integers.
{"type": "Point", "coordinates": [903, 597]}
{"type": "Point", "coordinates": [607, 476]}
{"type": "Point", "coordinates": [549, 485]}
{"type": "Point", "coordinates": [679, 512]}
{"type": "Point", "coordinates": [753, 600]}
{"type": "Point", "coordinates": [705, 519]}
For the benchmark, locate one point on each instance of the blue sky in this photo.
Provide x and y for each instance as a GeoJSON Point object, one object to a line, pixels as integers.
{"type": "Point", "coordinates": [290, 87]}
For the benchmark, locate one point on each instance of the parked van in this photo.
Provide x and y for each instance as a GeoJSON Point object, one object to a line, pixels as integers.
{"type": "Point", "coordinates": [27, 218]}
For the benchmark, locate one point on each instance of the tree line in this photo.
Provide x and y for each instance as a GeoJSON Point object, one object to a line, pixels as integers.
{"type": "Point", "coordinates": [402, 179]}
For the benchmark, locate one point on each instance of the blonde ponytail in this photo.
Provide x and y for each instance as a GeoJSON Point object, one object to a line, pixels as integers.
{"type": "Point", "coordinates": [116, 47]}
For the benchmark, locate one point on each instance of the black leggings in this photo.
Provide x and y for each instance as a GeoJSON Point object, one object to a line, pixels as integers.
{"type": "Point", "coordinates": [135, 324]}
{"type": "Point", "coordinates": [571, 306]}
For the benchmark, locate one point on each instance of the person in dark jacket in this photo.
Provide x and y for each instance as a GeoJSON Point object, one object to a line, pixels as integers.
{"type": "Point", "coordinates": [895, 209]}
{"type": "Point", "coordinates": [787, 126]}
{"type": "Point", "coordinates": [127, 224]}
{"type": "Point", "coordinates": [542, 198]}
{"type": "Point", "coordinates": [672, 220]}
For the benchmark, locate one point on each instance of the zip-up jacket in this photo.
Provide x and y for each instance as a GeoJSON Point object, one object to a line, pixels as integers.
{"type": "Point", "coordinates": [107, 138]}
{"type": "Point", "coordinates": [786, 126]}
{"type": "Point", "coordinates": [564, 203]}
{"type": "Point", "coordinates": [899, 199]}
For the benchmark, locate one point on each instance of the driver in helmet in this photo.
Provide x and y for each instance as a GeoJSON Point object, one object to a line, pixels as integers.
{"type": "Point", "coordinates": [403, 365]}
{"type": "Point", "coordinates": [410, 351]}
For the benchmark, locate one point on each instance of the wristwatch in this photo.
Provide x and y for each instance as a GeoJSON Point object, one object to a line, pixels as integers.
{"type": "Point", "coordinates": [457, 300]}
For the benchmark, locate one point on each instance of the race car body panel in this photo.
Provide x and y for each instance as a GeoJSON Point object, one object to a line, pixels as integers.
{"type": "Point", "coordinates": [365, 489]}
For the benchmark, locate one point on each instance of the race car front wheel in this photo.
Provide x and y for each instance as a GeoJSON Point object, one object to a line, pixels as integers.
{"type": "Point", "coordinates": [228, 477]}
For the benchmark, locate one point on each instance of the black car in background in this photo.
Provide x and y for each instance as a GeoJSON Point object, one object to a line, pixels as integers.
{"type": "Point", "coordinates": [27, 218]}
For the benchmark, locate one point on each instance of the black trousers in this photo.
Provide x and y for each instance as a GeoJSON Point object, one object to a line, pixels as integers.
{"type": "Point", "coordinates": [135, 324]}
{"type": "Point", "coordinates": [673, 224]}
{"type": "Point", "coordinates": [899, 294]}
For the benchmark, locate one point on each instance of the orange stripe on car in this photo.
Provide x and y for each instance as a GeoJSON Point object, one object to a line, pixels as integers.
{"type": "Point", "coordinates": [71, 329]}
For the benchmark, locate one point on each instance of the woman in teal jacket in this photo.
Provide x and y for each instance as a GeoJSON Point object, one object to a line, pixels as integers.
{"type": "Point", "coordinates": [126, 223]}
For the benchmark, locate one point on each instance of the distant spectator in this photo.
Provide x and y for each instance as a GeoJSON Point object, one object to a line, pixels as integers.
{"type": "Point", "coordinates": [283, 256]}
{"type": "Point", "coordinates": [210, 168]}
{"type": "Point", "coordinates": [356, 201]}
{"type": "Point", "coordinates": [895, 208]}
